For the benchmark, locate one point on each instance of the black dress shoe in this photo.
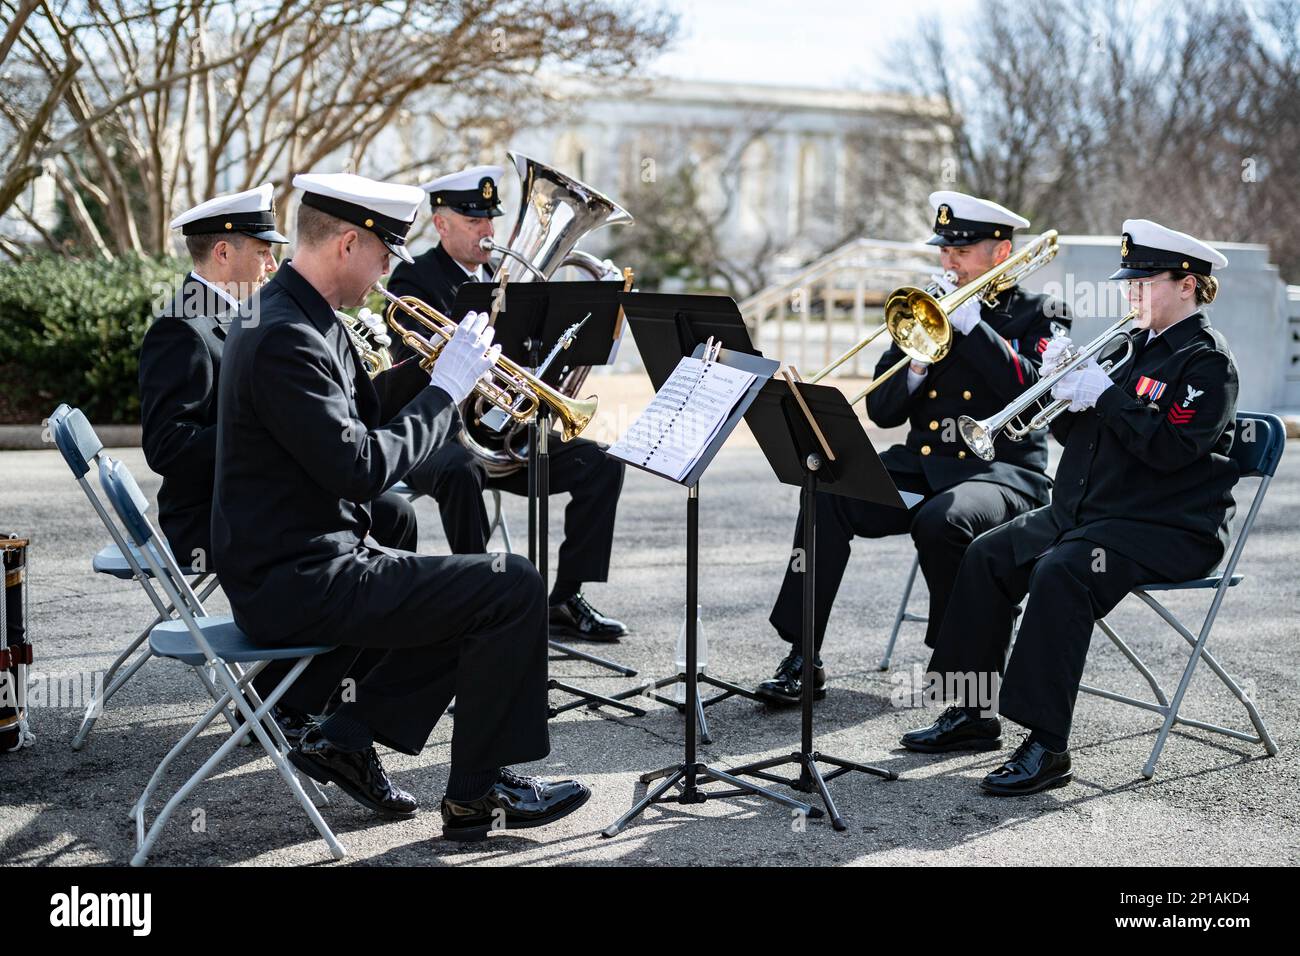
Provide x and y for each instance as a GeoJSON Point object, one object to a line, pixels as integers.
{"type": "Point", "coordinates": [786, 686]}
{"type": "Point", "coordinates": [515, 802]}
{"type": "Point", "coordinates": [1031, 768]}
{"type": "Point", "coordinates": [292, 724]}
{"type": "Point", "coordinates": [357, 772]}
{"type": "Point", "coordinates": [576, 617]}
{"type": "Point", "coordinates": [955, 730]}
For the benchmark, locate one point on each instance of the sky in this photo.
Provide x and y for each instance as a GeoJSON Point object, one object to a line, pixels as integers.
{"type": "Point", "coordinates": [833, 44]}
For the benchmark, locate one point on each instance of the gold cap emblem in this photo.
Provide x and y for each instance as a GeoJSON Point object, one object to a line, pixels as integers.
{"type": "Point", "coordinates": [1123, 246]}
{"type": "Point", "coordinates": [370, 223]}
{"type": "Point", "coordinates": [943, 219]}
{"type": "Point", "coordinates": [487, 189]}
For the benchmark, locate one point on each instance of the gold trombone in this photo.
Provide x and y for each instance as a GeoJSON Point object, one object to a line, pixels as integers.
{"type": "Point", "coordinates": [507, 385]}
{"type": "Point", "coordinates": [917, 319]}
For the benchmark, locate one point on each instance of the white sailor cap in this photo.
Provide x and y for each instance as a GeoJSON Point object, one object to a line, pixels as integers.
{"type": "Point", "coordinates": [471, 192]}
{"type": "Point", "coordinates": [960, 220]}
{"type": "Point", "coordinates": [386, 209]}
{"type": "Point", "coordinates": [251, 212]}
{"type": "Point", "coordinates": [1147, 248]}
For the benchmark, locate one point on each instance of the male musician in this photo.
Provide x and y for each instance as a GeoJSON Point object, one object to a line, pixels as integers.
{"type": "Point", "coordinates": [305, 439]}
{"type": "Point", "coordinates": [229, 239]}
{"type": "Point", "coordinates": [1143, 494]}
{"type": "Point", "coordinates": [995, 354]}
{"type": "Point", "coordinates": [464, 205]}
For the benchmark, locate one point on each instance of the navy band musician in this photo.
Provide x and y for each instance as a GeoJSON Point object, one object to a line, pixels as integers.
{"type": "Point", "coordinates": [464, 205]}
{"type": "Point", "coordinates": [305, 441]}
{"type": "Point", "coordinates": [1143, 494]}
{"type": "Point", "coordinates": [995, 354]}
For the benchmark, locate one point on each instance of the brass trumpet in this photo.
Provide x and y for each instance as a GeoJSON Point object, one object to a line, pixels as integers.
{"type": "Point", "coordinates": [507, 385]}
{"type": "Point", "coordinates": [917, 319]}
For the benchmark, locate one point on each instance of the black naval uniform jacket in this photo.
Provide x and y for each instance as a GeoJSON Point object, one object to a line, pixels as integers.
{"type": "Point", "coordinates": [180, 363]}
{"type": "Point", "coordinates": [435, 278]}
{"type": "Point", "coordinates": [305, 438]}
{"type": "Point", "coordinates": [1146, 471]}
{"type": "Point", "coordinates": [982, 373]}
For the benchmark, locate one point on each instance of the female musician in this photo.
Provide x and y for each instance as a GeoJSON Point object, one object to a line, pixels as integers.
{"type": "Point", "coordinates": [1143, 494]}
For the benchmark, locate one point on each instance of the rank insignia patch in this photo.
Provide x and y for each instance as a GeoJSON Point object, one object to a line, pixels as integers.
{"type": "Point", "coordinates": [1042, 344]}
{"type": "Point", "coordinates": [1150, 387]}
{"type": "Point", "coordinates": [1179, 415]}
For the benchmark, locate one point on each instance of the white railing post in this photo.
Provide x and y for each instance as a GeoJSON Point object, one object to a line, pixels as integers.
{"type": "Point", "coordinates": [859, 320]}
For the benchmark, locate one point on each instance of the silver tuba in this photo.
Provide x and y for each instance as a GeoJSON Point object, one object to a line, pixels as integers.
{"type": "Point", "coordinates": [556, 212]}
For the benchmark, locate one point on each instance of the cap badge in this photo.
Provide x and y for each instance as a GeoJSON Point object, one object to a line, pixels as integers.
{"type": "Point", "coordinates": [943, 219]}
{"type": "Point", "coordinates": [487, 189]}
{"type": "Point", "coordinates": [1123, 246]}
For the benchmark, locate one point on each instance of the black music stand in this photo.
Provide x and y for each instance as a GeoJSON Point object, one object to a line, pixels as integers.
{"type": "Point", "coordinates": [813, 439]}
{"type": "Point", "coordinates": [539, 313]}
{"type": "Point", "coordinates": [690, 773]}
{"type": "Point", "coordinates": [666, 328]}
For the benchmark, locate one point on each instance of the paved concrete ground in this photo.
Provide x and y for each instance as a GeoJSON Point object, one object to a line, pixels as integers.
{"type": "Point", "coordinates": [1213, 801]}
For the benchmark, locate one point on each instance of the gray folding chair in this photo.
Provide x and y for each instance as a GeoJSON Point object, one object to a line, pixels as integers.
{"type": "Point", "coordinates": [80, 446]}
{"type": "Point", "coordinates": [217, 643]}
{"type": "Point", "coordinates": [1257, 450]}
{"type": "Point", "coordinates": [903, 614]}
{"type": "Point", "coordinates": [498, 521]}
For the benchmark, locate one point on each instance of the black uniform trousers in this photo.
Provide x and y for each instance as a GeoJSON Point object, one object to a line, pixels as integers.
{"type": "Point", "coordinates": [472, 627]}
{"type": "Point", "coordinates": [942, 527]}
{"type": "Point", "coordinates": [456, 479]}
{"type": "Point", "coordinates": [393, 525]}
{"type": "Point", "coordinates": [1069, 586]}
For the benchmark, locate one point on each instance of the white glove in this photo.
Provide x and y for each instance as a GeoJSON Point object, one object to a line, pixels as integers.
{"type": "Point", "coordinates": [465, 358]}
{"type": "Point", "coordinates": [1056, 347]}
{"type": "Point", "coordinates": [376, 325]}
{"type": "Point", "coordinates": [966, 315]}
{"type": "Point", "coordinates": [1082, 387]}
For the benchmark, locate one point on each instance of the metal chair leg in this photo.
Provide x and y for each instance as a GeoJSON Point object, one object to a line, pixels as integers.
{"type": "Point", "coordinates": [903, 615]}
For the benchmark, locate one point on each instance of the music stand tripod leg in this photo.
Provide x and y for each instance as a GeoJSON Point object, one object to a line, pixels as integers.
{"type": "Point", "coordinates": [690, 772]}
{"type": "Point", "coordinates": [566, 650]}
{"type": "Point", "coordinates": [810, 777]}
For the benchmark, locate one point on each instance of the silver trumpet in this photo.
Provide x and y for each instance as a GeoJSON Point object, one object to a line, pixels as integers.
{"type": "Point", "coordinates": [1036, 401]}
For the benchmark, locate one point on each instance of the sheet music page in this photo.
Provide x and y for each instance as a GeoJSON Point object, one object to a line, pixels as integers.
{"type": "Point", "coordinates": [677, 427]}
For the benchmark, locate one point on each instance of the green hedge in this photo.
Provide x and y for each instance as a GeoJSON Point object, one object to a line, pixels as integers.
{"type": "Point", "coordinates": [70, 332]}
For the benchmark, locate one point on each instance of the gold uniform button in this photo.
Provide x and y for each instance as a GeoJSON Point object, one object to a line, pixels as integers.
{"type": "Point", "coordinates": [925, 449]}
{"type": "Point", "coordinates": [933, 393]}
{"type": "Point", "coordinates": [966, 394]}
{"type": "Point", "coordinates": [961, 454]}
{"type": "Point", "coordinates": [934, 426]}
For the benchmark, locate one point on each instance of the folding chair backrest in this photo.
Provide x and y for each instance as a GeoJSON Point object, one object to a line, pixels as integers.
{"type": "Point", "coordinates": [1258, 445]}
{"type": "Point", "coordinates": [76, 438]}
{"type": "Point", "coordinates": [131, 505]}
{"type": "Point", "coordinates": [1256, 448]}
{"type": "Point", "coordinates": [79, 445]}
{"type": "Point", "coordinates": [128, 500]}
